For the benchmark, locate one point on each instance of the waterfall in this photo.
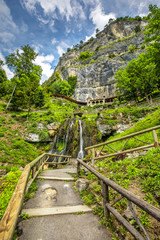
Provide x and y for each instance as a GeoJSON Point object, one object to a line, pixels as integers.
{"type": "Point", "coordinates": [81, 153]}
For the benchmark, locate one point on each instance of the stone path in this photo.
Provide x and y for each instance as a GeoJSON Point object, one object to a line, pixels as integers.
{"type": "Point", "coordinates": [58, 212]}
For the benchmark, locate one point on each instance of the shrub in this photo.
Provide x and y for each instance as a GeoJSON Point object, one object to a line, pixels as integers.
{"type": "Point", "coordinates": [85, 55]}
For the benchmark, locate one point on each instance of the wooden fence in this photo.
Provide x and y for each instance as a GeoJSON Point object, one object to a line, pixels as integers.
{"type": "Point", "coordinates": [30, 172]}
{"type": "Point", "coordinates": [122, 151]}
{"type": "Point", "coordinates": [106, 183]}
{"type": "Point", "coordinates": [131, 198]}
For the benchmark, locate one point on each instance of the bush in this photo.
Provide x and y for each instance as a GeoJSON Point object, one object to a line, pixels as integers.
{"type": "Point", "coordinates": [72, 80]}
{"type": "Point", "coordinates": [61, 87]}
{"type": "Point", "coordinates": [85, 55]}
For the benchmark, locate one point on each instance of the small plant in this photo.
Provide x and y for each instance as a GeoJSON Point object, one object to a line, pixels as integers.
{"type": "Point", "coordinates": [25, 216]}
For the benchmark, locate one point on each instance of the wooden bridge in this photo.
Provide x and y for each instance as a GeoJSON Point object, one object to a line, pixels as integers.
{"type": "Point", "coordinates": [69, 226]}
{"type": "Point", "coordinates": [90, 102]}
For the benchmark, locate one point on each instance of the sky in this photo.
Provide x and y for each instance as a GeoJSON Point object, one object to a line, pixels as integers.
{"type": "Point", "coordinates": [52, 26]}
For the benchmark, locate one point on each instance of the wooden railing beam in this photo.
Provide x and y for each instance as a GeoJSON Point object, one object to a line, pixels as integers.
{"type": "Point", "coordinates": [122, 138]}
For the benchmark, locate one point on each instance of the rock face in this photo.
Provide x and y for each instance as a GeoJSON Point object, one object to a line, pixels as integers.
{"type": "Point", "coordinates": [95, 75]}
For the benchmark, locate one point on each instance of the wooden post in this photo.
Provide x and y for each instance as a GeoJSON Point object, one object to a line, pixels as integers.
{"type": "Point", "coordinates": [105, 199]}
{"type": "Point", "coordinates": [93, 156]}
{"type": "Point", "coordinates": [78, 169]}
{"type": "Point", "coordinates": [156, 144]}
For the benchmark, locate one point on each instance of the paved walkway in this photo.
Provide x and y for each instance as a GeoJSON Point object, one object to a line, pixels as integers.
{"type": "Point", "coordinates": [58, 212]}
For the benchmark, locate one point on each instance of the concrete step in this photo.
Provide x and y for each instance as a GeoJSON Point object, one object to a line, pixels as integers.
{"type": "Point", "coordinates": [56, 210]}
{"type": "Point", "coordinates": [56, 178]}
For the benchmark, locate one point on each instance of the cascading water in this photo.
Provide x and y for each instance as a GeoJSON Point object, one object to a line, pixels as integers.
{"type": "Point", "coordinates": [81, 153]}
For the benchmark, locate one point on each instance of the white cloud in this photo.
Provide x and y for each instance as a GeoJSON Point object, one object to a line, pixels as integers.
{"type": "Point", "coordinates": [66, 8]}
{"type": "Point", "coordinates": [45, 63]}
{"type": "Point", "coordinates": [24, 27]}
{"type": "Point", "coordinates": [60, 50]}
{"type": "Point", "coordinates": [62, 47]}
{"type": "Point", "coordinates": [54, 41]}
{"type": "Point", "coordinates": [7, 26]}
{"type": "Point", "coordinates": [99, 18]}
{"type": "Point", "coordinates": [5, 67]}
{"type": "Point", "coordinates": [6, 37]}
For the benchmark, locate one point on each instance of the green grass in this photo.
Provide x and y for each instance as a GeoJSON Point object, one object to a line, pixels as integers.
{"type": "Point", "coordinates": [7, 187]}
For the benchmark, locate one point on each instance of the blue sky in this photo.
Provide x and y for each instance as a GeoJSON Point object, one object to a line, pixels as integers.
{"type": "Point", "coordinates": [52, 26]}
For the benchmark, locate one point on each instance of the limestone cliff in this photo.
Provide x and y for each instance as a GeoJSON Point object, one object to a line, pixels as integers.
{"type": "Point", "coordinates": [110, 51]}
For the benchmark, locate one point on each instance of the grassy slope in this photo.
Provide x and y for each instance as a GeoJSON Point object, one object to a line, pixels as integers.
{"type": "Point", "coordinates": [14, 150]}
{"type": "Point", "coordinates": [139, 175]}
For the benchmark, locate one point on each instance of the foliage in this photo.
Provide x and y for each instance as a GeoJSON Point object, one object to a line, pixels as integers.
{"type": "Point", "coordinates": [131, 48]}
{"type": "Point", "coordinates": [138, 78]}
{"type": "Point", "coordinates": [61, 87]}
{"type": "Point", "coordinates": [7, 188]}
{"type": "Point", "coordinates": [27, 76]}
{"type": "Point", "coordinates": [72, 80]}
{"type": "Point", "coordinates": [85, 55]}
{"type": "Point", "coordinates": [39, 98]}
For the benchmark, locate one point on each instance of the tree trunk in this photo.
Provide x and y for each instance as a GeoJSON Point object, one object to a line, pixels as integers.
{"type": "Point", "coordinates": [147, 99]}
{"type": "Point", "coordinates": [10, 98]}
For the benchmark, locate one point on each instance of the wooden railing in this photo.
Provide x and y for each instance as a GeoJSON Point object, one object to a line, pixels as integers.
{"type": "Point", "coordinates": [30, 172]}
{"type": "Point", "coordinates": [122, 151]}
{"type": "Point", "coordinates": [131, 198]}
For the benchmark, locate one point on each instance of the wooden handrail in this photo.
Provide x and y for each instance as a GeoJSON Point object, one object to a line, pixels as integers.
{"type": "Point", "coordinates": [153, 211]}
{"type": "Point", "coordinates": [122, 138]}
{"type": "Point", "coordinates": [10, 217]}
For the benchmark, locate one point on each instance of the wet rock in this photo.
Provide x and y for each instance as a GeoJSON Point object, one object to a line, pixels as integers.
{"type": "Point", "coordinates": [81, 184]}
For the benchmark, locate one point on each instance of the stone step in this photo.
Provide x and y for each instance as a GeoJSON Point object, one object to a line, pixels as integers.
{"type": "Point", "coordinates": [56, 178]}
{"type": "Point", "coordinates": [56, 210]}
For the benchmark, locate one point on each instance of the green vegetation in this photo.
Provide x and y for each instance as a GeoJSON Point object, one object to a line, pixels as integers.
{"type": "Point", "coordinates": [26, 76]}
{"type": "Point", "coordinates": [85, 55]}
{"type": "Point", "coordinates": [7, 186]}
{"type": "Point", "coordinates": [141, 77]}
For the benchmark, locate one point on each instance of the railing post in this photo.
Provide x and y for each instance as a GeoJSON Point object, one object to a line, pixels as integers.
{"type": "Point", "coordinates": [105, 199]}
{"type": "Point", "coordinates": [156, 144]}
{"type": "Point", "coordinates": [93, 156]}
{"type": "Point", "coordinates": [78, 169]}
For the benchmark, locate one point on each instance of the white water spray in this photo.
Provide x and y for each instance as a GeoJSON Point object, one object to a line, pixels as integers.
{"type": "Point", "coordinates": [81, 153]}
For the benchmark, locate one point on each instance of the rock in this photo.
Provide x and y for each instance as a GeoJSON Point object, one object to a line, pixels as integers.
{"type": "Point", "coordinates": [32, 137]}
{"type": "Point", "coordinates": [122, 127]}
{"type": "Point", "coordinates": [133, 155]}
{"type": "Point", "coordinates": [95, 76]}
{"type": "Point", "coordinates": [40, 126]}
{"type": "Point", "coordinates": [128, 214]}
{"type": "Point", "coordinates": [53, 126]}
{"type": "Point", "coordinates": [21, 169]}
{"type": "Point", "coordinates": [2, 172]}
{"type": "Point", "coordinates": [104, 128]}
{"type": "Point", "coordinates": [51, 133]}
{"type": "Point", "coordinates": [81, 184]}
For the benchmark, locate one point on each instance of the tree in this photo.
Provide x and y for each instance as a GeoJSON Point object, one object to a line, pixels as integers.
{"type": "Point", "coordinates": [138, 78]}
{"type": "Point", "coordinates": [72, 80]}
{"type": "Point", "coordinates": [4, 82]}
{"type": "Point", "coordinates": [27, 76]}
{"type": "Point", "coordinates": [61, 87]}
{"type": "Point", "coordinates": [153, 36]}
